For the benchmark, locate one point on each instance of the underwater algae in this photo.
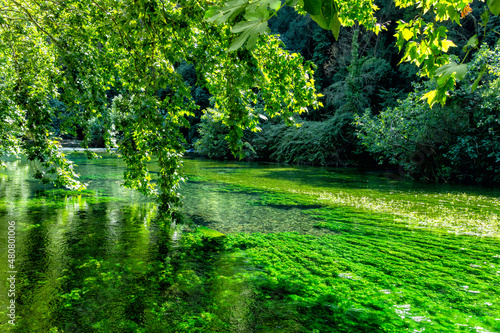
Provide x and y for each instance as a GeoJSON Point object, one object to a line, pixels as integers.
{"type": "Point", "coordinates": [383, 267]}
{"type": "Point", "coordinates": [323, 250]}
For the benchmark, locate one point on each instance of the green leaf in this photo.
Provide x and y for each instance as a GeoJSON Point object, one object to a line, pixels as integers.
{"type": "Point", "coordinates": [258, 10]}
{"type": "Point", "coordinates": [443, 80]}
{"type": "Point", "coordinates": [328, 9]}
{"type": "Point", "coordinates": [476, 82]}
{"type": "Point", "coordinates": [244, 26]}
{"type": "Point", "coordinates": [256, 16]}
{"type": "Point", "coordinates": [220, 15]}
{"type": "Point", "coordinates": [275, 5]}
{"type": "Point", "coordinates": [452, 67]}
{"type": "Point", "coordinates": [472, 42]}
{"type": "Point", "coordinates": [211, 13]}
{"type": "Point", "coordinates": [335, 26]}
{"type": "Point", "coordinates": [328, 17]}
{"type": "Point", "coordinates": [313, 7]}
{"type": "Point", "coordinates": [209, 232]}
{"type": "Point", "coordinates": [494, 6]}
{"type": "Point", "coordinates": [485, 17]}
{"type": "Point", "coordinates": [238, 42]}
{"type": "Point", "coordinates": [453, 14]}
{"type": "Point", "coordinates": [250, 30]}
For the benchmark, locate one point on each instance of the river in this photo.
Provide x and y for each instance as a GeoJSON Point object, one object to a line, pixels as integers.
{"type": "Point", "coordinates": [264, 248]}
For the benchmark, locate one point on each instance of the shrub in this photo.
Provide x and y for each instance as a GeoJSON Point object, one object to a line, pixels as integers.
{"type": "Point", "coordinates": [323, 143]}
{"type": "Point", "coordinates": [457, 142]}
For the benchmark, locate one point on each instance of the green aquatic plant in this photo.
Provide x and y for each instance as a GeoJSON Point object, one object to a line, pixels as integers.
{"type": "Point", "coordinates": [102, 176]}
{"type": "Point", "coordinates": [434, 207]}
{"type": "Point", "coordinates": [365, 266]}
{"type": "Point", "coordinates": [55, 194]}
{"type": "Point", "coordinates": [209, 232]}
{"type": "Point", "coordinates": [385, 282]}
{"type": "Point", "coordinates": [62, 197]}
{"type": "Point", "coordinates": [278, 200]}
{"type": "Point", "coordinates": [399, 258]}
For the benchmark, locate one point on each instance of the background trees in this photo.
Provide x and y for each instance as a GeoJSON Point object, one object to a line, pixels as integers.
{"type": "Point", "coordinates": [459, 142]}
{"type": "Point", "coordinates": [423, 37]}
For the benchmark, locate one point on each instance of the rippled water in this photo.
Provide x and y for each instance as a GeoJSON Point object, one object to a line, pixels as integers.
{"type": "Point", "coordinates": [99, 262]}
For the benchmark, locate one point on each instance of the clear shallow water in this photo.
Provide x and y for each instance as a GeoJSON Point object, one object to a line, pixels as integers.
{"type": "Point", "coordinates": [455, 209]}
{"type": "Point", "coordinates": [370, 253]}
{"type": "Point", "coordinates": [229, 211]}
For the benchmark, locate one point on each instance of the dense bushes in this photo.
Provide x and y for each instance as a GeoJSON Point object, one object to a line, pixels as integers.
{"type": "Point", "coordinates": [315, 142]}
{"type": "Point", "coordinates": [457, 142]}
{"type": "Point", "coordinates": [322, 143]}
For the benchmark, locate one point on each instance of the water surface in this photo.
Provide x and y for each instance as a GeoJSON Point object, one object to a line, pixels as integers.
{"type": "Point", "coordinates": [307, 250]}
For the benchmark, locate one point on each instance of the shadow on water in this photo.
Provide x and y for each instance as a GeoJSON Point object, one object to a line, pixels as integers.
{"type": "Point", "coordinates": [350, 179]}
{"type": "Point", "coordinates": [323, 178]}
{"type": "Point", "coordinates": [86, 265]}
{"type": "Point", "coordinates": [83, 272]}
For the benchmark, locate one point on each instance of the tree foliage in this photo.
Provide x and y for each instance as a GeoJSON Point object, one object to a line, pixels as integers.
{"type": "Point", "coordinates": [75, 52]}
{"type": "Point", "coordinates": [423, 38]}
{"type": "Point", "coordinates": [457, 142]}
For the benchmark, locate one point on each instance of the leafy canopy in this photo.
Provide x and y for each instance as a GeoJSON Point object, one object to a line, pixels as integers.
{"type": "Point", "coordinates": [458, 142]}
{"type": "Point", "coordinates": [76, 51]}
{"type": "Point", "coordinates": [423, 39]}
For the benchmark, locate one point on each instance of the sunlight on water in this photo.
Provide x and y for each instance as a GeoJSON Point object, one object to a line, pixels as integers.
{"type": "Point", "coordinates": [456, 209]}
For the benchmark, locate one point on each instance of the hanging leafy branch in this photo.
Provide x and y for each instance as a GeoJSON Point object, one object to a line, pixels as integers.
{"type": "Point", "coordinates": [423, 39]}
{"type": "Point", "coordinates": [329, 14]}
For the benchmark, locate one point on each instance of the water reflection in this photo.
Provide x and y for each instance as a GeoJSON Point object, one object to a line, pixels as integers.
{"type": "Point", "coordinates": [82, 262]}
{"type": "Point", "coordinates": [102, 262]}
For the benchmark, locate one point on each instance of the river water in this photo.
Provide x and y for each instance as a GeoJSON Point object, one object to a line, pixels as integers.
{"type": "Point", "coordinates": [100, 262]}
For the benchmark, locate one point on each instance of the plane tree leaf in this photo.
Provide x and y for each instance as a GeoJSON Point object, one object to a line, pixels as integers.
{"type": "Point", "coordinates": [494, 6]}
{"type": "Point", "coordinates": [230, 10]}
{"type": "Point", "coordinates": [452, 68]}
{"type": "Point", "coordinates": [250, 31]}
